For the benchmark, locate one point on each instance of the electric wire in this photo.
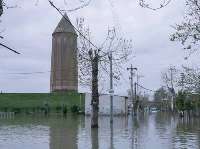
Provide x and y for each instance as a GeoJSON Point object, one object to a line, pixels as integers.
{"type": "Point", "coordinates": [145, 88]}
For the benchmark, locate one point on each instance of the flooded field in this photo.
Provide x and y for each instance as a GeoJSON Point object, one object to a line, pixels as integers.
{"type": "Point", "coordinates": [159, 130]}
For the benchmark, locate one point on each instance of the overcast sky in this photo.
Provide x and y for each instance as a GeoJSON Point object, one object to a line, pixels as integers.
{"type": "Point", "coordinates": [28, 29]}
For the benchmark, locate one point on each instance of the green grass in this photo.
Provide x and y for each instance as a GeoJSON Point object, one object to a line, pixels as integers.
{"type": "Point", "coordinates": [11, 101]}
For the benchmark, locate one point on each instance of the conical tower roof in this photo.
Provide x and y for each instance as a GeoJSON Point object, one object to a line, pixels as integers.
{"type": "Point", "coordinates": [64, 26]}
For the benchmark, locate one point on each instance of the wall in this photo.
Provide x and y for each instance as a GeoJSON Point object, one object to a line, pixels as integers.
{"type": "Point", "coordinates": [120, 105]}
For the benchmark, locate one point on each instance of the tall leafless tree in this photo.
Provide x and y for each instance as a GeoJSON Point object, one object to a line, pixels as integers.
{"type": "Point", "coordinates": [94, 61]}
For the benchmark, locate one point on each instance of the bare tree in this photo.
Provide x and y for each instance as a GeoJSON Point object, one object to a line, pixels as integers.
{"type": "Point", "coordinates": [2, 5]}
{"type": "Point", "coordinates": [79, 4]}
{"type": "Point", "coordinates": [188, 31]}
{"type": "Point", "coordinates": [74, 5]}
{"type": "Point", "coordinates": [186, 79]}
{"type": "Point", "coordinates": [94, 61]}
{"type": "Point", "coordinates": [170, 78]}
{"type": "Point", "coordinates": [149, 5]}
{"type": "Point", "coordinates": [70, 5]}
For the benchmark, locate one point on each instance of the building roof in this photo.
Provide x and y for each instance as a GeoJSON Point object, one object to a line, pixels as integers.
{"type": "Point", "coordinates": [65, 26]}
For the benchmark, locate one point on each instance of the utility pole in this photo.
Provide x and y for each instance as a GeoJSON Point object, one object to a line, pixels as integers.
{"type": "Point", "coordinates": [171, 76]}
{"type": "Point", "coordinates": [135, 106]}
{"type": "Point", "coordinates": [111, 88]}
{"type": "Point", "coordinates": [182, 81]}
{"type": "Point", "coordinates": [172, 87]}
{"type": "Point", "coordinates": [131, 78]}
{"type": "Point", "coordinates": [111, 35]}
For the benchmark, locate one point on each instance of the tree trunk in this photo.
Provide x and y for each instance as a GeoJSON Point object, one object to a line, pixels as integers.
{"type": "Point", "coordinates": [95, 138]}
{"type": "Point", "coordinates": [95, 93]}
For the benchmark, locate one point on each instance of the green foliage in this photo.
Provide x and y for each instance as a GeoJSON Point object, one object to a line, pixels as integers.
{"type": "Point", "coordinates": [5, 109]}
{"type": "Point", "coordinates": [16, 110]}
{"type": "Point", "coordinates": [180, 100]}
{"type": "Point", "coordinates": [198, 103]}
{"type": "Point", "coordinates": [160, 94]}
{"type": "Point", "coordinates": [188, 105]}
{"type": "Point", "coordinates": [35, 102]}
{"type": "Point", "coordinates": [75, 109]}
{"type": "Point", "coordinates": [186, 101]}
{"type": "Point", "coordinates": [64, 109]}
{"type": "Point", "coordinates": [58, 109]}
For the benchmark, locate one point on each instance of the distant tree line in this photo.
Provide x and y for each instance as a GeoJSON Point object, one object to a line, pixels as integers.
{"type": "Point", "coordinates": [185, 83]}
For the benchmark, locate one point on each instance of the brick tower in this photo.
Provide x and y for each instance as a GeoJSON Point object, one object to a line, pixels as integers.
{"type": "Point", "coordinates": [64, 71]}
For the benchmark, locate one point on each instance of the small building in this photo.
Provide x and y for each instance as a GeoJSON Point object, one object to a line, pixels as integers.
{"type": "Point", "coordinates": [120, 105]}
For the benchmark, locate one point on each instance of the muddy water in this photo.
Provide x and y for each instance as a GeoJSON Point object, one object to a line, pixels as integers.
{"type": "Point", "coordinates": [155, 131]}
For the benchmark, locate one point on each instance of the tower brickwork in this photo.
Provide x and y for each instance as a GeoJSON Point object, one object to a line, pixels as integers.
{"type": "Point", "coordinates": [64, 71]}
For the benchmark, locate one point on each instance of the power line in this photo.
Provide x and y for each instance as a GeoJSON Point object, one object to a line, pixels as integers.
{"type": "Point", "coordinates": [30, 73]}
{"type": "Point", "coordinates": [35, 72]}
{"type": "Point", "coordinates": [145, 88]}
{"type": "Point", "coordinates": [9, 48]}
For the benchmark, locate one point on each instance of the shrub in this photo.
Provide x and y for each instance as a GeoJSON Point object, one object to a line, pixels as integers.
{"type": "Point", "coordinates": [180, 101]}
{"type": "Point", "coordinates": [64, 110]}
{"type": "Point", "coordinates": [58, 109]}
{"type": "Point", "coordinates": [16, 110]}
{"type": "Point", "coordinates": [75, 109]}
{"type": "Point", "coordinates": [5, 109]}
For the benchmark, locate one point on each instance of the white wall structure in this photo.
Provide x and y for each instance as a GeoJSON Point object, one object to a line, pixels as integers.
{"type": "Point", "coordinates": [120, 105]}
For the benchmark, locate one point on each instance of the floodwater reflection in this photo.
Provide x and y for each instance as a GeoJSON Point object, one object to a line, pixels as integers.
{"type": "Point", "coordinates": [160, 130]}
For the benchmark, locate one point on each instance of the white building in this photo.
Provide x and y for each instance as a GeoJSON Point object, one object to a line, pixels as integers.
{"type": "Point", "coordinates": [120, 105]}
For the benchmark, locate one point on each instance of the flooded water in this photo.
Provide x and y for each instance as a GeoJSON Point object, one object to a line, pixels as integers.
{"type": "Point", "coordinates": [154, 131]}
